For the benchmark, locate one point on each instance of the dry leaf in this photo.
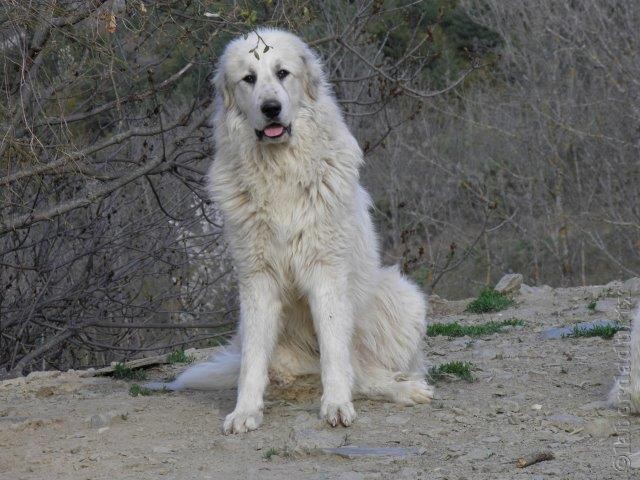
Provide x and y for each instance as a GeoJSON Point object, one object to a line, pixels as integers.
{"type": "Point", "coordinates": [111, 23]}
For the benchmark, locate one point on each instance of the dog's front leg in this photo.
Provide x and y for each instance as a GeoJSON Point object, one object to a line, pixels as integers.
{"type": "Point", "coordinates": [260, 308]}
{"type": "Point", "coordinates": [333, 322]}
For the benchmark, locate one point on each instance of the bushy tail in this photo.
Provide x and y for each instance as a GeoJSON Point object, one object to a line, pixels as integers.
{"type": "Point", "coordinates": [221, 370]}
{"type": "Point", "coordinates": [626, 388]}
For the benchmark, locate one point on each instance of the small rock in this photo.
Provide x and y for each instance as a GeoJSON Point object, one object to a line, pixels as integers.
{"type": "Point", "coordinates": [89, 372]}
{"type": "Point", "coordinates": [536, 406]}
{"type": "Point", "coordinates": [13, 382]}
{"type": "Point", "coordinates": [40, 375]}
{"type": "Point", "coordinates": [600, 428]}
{"type": "Point", "coordinates": [440, 306]}
{"type": "Point", "coordinates": [75, 450]}
{"type": "Point", "coordinates": [565, 421]}
{"type": "Point", "coordinates": [509, 283]}
{"type": "Point", "coordinates": [352, 452]}
{"type": "Point", "coordinates": [597, 405]}
{"type": "Point", "coordinates": [99, 420]}
{"type": "Point", "coordinates": [308, 440]}
{"type": "Point", "coordinates": [476, 454]}
{"type": "Point", "coordinates": [507, 406]}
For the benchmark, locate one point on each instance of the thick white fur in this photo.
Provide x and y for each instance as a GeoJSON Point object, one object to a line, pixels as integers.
{"type": "Point", "coordinates": [314, 297]}
{"type": "Point", "coordinates": [626, 389]}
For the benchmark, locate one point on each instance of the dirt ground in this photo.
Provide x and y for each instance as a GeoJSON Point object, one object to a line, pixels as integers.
{"type": "Point", "coordinates": [530, 395]}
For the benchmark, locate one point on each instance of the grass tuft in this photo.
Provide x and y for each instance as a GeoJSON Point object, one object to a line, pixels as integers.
{"type": "Point", "coordinates": [490, 301]}
{"type": "Point", "coordinates": [603, 331]}
{"type": "Point", "coordinates": [178, 356]}
{"type": "Point", "coordinates": [270, 453]}
{"type": "Point", "coordinates": [135, 390]}
{"type": "Point", "coordinates": [592, 305]}
{"type": "Point", "coordinates": [126, 373]}
{"type": "Point", "coordinates": [461, 370]}
{"type": "Point", "coordinates": [454, 329]}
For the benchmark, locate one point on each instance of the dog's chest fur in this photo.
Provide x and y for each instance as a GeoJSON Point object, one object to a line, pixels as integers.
{"type": "Point", "coordinates": [285, 209]}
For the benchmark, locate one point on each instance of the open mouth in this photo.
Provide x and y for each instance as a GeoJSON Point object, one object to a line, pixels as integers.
{"type": "Point", "coordinates": [273, 130]}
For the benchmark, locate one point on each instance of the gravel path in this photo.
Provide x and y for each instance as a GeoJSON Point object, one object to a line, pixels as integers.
{"type": "Point", "coordinates": [529, 395]}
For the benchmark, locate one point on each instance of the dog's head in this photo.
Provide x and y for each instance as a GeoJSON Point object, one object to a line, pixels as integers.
{"type": "Point", "coordinates": [267, 77]}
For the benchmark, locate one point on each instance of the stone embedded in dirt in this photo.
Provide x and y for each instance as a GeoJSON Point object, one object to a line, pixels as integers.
{"type": "Point", "coordinates": [509, 283]}
{"type": "Point", "coordinates": [475, 455]}
{"type": "Point", "coordinates": [600, 428]}
{"type": "Point", "coordinates": [541, 290]}
{"type": "Point", "coordinates": [440, 306]}
{"type": "Point", "coordinates": [597, 405]}
{"type": "Point", "coordinates": [632, 285]}
{"type": "Point", "coordinates": [307, 440]}
{"type": "Point", "coordinates": [100, 420]}
{"type": "Point", "coordinates": [357, 452]}
{"type": "Point", "coordinates": [13, 382]}
{"type": "Point", "coordinates": [34, 376]}
{"type": "Point", "coordinates": [507, 406]}
{"type": "Point", "coordinates": [566, 421]}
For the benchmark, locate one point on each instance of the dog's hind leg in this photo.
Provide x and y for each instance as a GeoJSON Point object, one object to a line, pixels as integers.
{"type": "Point", "coordinates": [397, 387]}
{"type": "Point", "coordinates": [388, 357]}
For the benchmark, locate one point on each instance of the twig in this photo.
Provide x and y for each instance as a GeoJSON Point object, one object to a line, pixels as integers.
{"type": "Point", "coordinates": [533, 458]}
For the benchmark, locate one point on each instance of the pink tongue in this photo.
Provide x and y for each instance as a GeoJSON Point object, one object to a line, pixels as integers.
{"type": "Point", "coordinates": [274, 130]}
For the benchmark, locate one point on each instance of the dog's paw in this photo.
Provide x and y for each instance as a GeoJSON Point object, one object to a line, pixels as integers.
{"type": "Point", "coordinates": [338, 413]}
{"type": "Point", "coordinates": [240, 421]}
{"type": "Point", "coordinates": [410, 392]}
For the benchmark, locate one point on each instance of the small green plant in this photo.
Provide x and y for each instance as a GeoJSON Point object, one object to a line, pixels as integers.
{"type": "Point", "coordinates": [603, 331]}
{"type": "Point", "coordinates": [135, 390]}
{"type": "Point", "coordinates": [270, 453]}
{"type": "Point", "coordinates": [125, 373]}
{"type": "Point", "coordinates": [178, 356]}
{"type": "Point", "coordinates": [461, 370]}
{"type": "Point", "coordinates": [592, 305]}
{"type": "Point", "coordinates": [490, 301]}
{"type": "Point", "coordinates": [454, 329]}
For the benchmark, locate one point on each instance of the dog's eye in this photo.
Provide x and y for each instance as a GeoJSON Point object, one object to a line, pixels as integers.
{"type": "Point", "coordinates": [250, 79]}
{"type": "Point", "coordinates": [282, 73]}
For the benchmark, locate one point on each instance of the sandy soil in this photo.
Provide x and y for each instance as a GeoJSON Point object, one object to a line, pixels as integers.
{"type": "Point", "coordinates": [530, 395]}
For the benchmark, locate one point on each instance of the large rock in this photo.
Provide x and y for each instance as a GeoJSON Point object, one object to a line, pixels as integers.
{"type": "Point", "coordinates": [510, 283]}
{"type": "Point", "coordinates": [632, 285]}
{"type": "Point", "coordinates": [440, 306]}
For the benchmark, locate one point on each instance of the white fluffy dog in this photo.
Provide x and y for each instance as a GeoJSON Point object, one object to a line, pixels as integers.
{"type": "Point", "coordinates": [314, 297]}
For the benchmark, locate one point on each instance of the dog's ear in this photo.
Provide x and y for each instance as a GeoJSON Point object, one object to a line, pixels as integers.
{"type": "Point", "coordinates": [314, 76]}
{"type": "Point", "coordinates": [222, 89]}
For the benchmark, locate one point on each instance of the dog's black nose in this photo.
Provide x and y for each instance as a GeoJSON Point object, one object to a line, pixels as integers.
{"type": "Point", "coordinates": [271, 108]}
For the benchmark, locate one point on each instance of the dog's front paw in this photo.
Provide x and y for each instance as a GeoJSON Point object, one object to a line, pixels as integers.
{"type": "Point", "coordinates": [240, 421]}
{"type": "Point", "coordinates": [338, 413]}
